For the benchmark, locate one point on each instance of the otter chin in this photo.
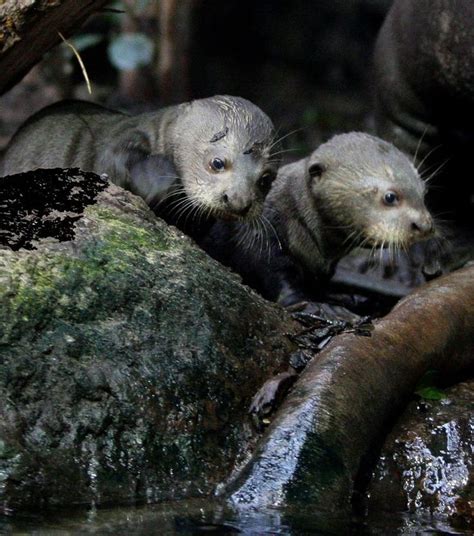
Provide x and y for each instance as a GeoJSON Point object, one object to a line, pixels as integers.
{"type": "Point", "coordinates": [191, 163]}
{"type": "Point", "coordinates": [355, 190]}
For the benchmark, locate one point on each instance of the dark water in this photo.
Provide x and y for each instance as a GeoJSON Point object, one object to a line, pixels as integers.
{"type": "Point", "coordinates": [208, 517]}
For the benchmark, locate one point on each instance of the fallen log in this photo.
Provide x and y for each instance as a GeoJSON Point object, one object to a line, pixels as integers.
{"type": "Point", "coordinates": [317, 447]}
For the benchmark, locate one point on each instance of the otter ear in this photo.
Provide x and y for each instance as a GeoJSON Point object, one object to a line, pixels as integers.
{"type": "Point", "coordinates": [316, 170]}
{"type": "Point", "coordinates": [125, 154]}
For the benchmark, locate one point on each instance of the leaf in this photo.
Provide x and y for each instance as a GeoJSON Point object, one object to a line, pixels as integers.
{"type": "Point", "coordinates": [131, 50]}
{"type": "Point", "coordinates": [426, 387]}
{"type": "Point", "coordinates": [430, 393]}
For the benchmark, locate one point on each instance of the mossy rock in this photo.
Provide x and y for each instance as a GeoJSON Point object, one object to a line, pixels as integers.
{"type": "Point", "coordinates": [128, 356]}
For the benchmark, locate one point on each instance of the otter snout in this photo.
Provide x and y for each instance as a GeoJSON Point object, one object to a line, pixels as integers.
{"type": "Point", "coordinates": [423, 226]}
{"type": "Point", "coordinates": [236, 204]}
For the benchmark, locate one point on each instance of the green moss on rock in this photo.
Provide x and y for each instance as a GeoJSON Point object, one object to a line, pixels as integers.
{"type": "Point", "coordinates": [128, 359]}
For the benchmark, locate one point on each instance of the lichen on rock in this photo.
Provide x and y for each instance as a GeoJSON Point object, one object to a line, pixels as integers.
{"type": "Point", "coordinates": [128, 360]}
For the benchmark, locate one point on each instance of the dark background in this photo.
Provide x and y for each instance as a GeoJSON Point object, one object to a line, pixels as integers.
{"type": "Point", "coordinates": [307, 63]}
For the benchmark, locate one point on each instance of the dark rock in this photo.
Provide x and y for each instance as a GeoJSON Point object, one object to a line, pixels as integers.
{"type": "Point", "coordinates": [128, 360]}
{"type": "Point", "coordinates": [426, 465]}
{"type": "Point", "coordinates": [46, 206]}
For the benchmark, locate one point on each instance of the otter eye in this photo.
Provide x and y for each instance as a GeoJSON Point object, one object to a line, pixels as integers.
{"type": "Point", "coordinates": [217, 164]}
{"type": "Point", "coordinates": [265, 181]}
{"type": "Point", "coordinates": [390, 198]}
{"type": "Point", "coordinates": [316, 170]}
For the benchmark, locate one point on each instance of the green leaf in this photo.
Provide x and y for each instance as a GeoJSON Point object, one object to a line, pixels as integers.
{"type": "Point", "coordinates": [430, 393]}
{"type": "Point", "coordinates": [427, 388]}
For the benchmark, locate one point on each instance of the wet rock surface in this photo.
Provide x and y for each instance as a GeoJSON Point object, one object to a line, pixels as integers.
{"type": "Point", "coordinates": [128, 360]}
{"type": "Point", "coordinates": [321, 440]}
{"type": "Point", "coordinates": [44, 204]}
{"type": "Point", "coordinates": [427, 464]}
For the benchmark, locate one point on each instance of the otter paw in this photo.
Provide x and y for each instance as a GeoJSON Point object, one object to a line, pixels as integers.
{"type": "Point", "coordinates": [269, 397]}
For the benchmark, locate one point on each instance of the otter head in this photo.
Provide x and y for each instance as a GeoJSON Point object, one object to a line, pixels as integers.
{"type": "Point", "coordinates": [222, 149]}
{"type": "Point", "coordinates": [369, 192]}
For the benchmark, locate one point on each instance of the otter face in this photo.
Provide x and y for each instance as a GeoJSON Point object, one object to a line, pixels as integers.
{"type": "Point", "coordinates": [370, 191]}
{"type": "Point", "coordinates": [236, 183]}
{"type": "Point", "coordinates": [394, 214]}
{"type": "Point", "coordinates": [229, 167]}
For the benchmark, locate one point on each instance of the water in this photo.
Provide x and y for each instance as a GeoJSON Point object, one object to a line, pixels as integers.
{"type": "Point", "coordinates": [211, 517]}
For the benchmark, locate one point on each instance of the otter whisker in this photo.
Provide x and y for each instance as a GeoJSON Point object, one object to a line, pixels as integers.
{"type": "Point", "coordinates": [193, 211]}
{"type": "Point", "coordinates": [283, 151]}
{"type": "Point", "coordinates": [169, 195]}
{"type": "Point", "coordinates": [175, 191]}
{"type": "Point", "coordinates": [268, 227]}
{"type": "Point", "coordinates": [183, 210]}
{"type": "Point", "coordinates": [352, 239]}
{"type": "Point", "coordinates": [185, 206]}
{"type": "Point", "coordinates": [437, 218]}
{"type": "Point", "coordinates": [258, 235]}
{"type": "Point", "coordinates": [418, 167]}
{"type": "Point", "coordinates": [391, 253]}
{"type": "Point", "coordinates": [436, 171]}
{"type": "Point", "coordinates": [267, 238]}
{"type": "Point", "coordinates": [155, 206]}
{"type": "Point", "coordinates": [242, 235]}
{"type": "Point", "coordinates": [281, 138]}
{"type": "Point", "coordinates": [174, 205]}
{"type": "Point", "coordinates": [339, 227]}
{"type": "Point", "coordinates": [280, 247]}
{"type": "Point", "coordinates": [419, 145]}
{"type": "Point", "coordinates": [275, 136]}
{"type": "Point", "coordinates": [381, 253]}
{"type": "Point", "coordinates": [200, 213]}
{"type": "Point", "coordinates": [253, 233]}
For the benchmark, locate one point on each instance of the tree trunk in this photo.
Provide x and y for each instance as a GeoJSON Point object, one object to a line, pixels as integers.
{"type": "Point", "coordinates": [29, 28]}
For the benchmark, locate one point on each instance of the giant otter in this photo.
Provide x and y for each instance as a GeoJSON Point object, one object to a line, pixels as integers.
{"type": "Point", "coordinates": [191, 162]}
{"type": "Point", "coordinates": [354, 190]}
{"type": "Point", "coordinates": [424, 93]}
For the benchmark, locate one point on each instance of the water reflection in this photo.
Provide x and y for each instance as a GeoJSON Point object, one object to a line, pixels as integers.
{"type": "Point", "coordinates": [210, 517]}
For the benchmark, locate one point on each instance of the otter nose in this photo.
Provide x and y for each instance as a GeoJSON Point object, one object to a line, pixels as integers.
{"type": "Point", "coordinates": [236, 205]}
{"type": "Point", "coordinates": [423, 226]}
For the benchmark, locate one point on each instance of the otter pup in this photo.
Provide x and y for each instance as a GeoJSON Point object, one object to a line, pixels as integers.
{"type": "Point", "coordinates": [193, 162]}
{"type": "Point", "coordinates": [354, 190]}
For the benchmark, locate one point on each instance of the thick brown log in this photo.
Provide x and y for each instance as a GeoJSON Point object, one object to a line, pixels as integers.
{"type": "Point", "coordinates": [346, 399]}
{"type": "Point", "coordinates": [29, 28]}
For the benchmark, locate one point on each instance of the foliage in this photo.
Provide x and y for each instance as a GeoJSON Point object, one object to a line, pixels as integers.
{"type": "Point", "coordinates": [427, 387]}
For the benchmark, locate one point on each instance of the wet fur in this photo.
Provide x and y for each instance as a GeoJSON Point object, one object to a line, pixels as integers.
{"type": "Point", "coordinates": [318, 219]}
{"type": "Point", "coordinates": [159, 155]}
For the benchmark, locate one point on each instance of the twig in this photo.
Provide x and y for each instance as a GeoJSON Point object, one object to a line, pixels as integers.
{"type": "Point", "coordinates": [79, 59]}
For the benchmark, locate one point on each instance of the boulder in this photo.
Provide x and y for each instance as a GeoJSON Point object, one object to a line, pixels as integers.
{"type": "Point", "coordinates": [426, 465]}
{"type": "Point", "coordinates": [128, 357]}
